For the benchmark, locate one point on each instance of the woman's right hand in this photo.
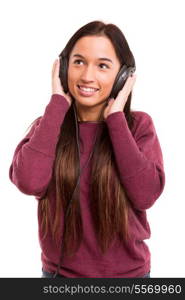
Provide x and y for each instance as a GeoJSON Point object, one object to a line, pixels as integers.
{"type": "Point", "coordinates": [56, 83]}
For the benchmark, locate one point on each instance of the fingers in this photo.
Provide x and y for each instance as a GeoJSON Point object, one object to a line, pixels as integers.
{"type": "Point", "coordinates": [128, 86]}
{"type": "Point", "coordinates": [55, 69]}
{"type": "Point", "coordinates": [130, 83]}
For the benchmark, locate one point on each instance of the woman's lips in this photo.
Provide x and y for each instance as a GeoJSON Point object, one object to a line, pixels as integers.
{"type": "Point", "coordinates": [87, 91]}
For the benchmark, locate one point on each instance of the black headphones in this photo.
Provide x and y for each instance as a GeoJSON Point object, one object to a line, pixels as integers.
{"type": "Point", "coordinates": [120, 79]}
{"type": "Point", "coordinates": [119, 82]}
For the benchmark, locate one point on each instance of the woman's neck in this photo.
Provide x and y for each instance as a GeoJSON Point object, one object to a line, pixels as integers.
{"type": "Point", "coordinates": [97, 117]}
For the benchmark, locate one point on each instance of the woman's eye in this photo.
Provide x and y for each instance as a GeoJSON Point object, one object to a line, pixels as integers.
{"type": "Point", "coordinates": [78, 61]}
{"type": "Point", "coordinates": [104, 66]}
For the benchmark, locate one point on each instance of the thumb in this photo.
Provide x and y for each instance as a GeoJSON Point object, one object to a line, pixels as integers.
{"type": "Point", "coordinates": [110, 101]}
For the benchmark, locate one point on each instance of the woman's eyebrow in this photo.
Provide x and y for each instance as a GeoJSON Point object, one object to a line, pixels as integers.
{"type": "Point", "coordinates": [101, 58]}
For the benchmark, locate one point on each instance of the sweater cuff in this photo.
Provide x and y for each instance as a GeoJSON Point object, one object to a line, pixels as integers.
{"type": "Point", "coordinates": [115, 118]}
{"type": "Point", "coordinates": [58, 99]}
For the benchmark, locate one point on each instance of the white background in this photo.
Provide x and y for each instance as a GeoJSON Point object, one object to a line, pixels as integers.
{"type": "Point", "coordinates": [33, 33]}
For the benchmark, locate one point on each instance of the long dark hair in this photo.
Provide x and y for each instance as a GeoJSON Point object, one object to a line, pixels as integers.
{"type": "Point", "coordinates": [109, 202]}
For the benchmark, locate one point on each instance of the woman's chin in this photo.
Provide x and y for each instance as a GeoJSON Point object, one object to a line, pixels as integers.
{"type": "Point", "coordinates": [88, 101]}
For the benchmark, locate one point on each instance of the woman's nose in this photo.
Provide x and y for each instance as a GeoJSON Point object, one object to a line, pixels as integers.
{"type": "Point", "coordinates": [88, 74]}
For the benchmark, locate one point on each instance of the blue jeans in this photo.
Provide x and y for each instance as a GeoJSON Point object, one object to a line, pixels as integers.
{"type": "Point", "coordinates": [46, 274]}
{"type": "Point", "coordinates": [147, 275]}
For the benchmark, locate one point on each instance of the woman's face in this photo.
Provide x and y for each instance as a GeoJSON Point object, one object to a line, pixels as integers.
{"type": "Point", "coordinates": [93, 66]}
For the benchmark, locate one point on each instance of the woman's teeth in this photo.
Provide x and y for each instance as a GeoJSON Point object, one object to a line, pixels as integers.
{"type": "Point", "coordinates": [87, 89]}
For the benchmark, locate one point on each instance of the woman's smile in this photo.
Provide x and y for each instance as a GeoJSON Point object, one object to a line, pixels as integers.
{"type": "Point", "coordinates": [87, 91]}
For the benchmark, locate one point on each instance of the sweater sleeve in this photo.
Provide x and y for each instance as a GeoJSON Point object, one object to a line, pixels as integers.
{"type": "Point", "coordinates": [138, 158]}
{"type": "Point", "coordinates": [33, 159]}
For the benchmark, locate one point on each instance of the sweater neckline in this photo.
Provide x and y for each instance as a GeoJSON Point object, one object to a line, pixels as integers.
{"type": "Point", "coordinates": [90, 122]}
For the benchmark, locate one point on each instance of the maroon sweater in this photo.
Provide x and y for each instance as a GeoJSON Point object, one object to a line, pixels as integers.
{"type": "Point", "coordinates": [140, 165]}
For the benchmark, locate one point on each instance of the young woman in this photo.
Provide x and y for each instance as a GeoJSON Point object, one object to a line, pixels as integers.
{"type": "Point", "coordinates": [94, 165]}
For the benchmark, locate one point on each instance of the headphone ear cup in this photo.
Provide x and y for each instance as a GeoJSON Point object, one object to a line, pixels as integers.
{"type": "Point", "coordinates": [120, 80]}
{"type": "Point", "coordinates": [63, 73]}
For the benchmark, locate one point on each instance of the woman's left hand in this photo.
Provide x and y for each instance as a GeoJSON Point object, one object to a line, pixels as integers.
{"type": "Point", "coordinates": [118, 104]}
